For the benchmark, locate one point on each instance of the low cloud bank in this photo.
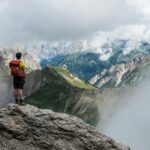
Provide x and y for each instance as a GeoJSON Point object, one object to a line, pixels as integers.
{"type": "Point", "coordinates": [130, 123]}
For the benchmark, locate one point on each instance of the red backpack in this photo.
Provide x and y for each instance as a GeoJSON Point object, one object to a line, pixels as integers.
{"type": "Point", "coordinates": [15, 70]}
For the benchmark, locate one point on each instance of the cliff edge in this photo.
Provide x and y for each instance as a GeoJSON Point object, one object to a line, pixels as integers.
{"type": "Point", "coordinates": [30, 128]}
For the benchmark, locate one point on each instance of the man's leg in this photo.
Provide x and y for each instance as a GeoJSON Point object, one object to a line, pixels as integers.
{"type": "Point", "coordinates": [21, 95]}
{"type": "Point", "coordinates": [16, 95]}
{"type": "Point", "coordinates": [21, 85]}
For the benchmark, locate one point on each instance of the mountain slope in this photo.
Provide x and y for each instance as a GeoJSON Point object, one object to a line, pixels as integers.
{"type": "Point", "coordinates": [71, 79]}
{"type": "Point", "coordinates": [87, 61]}
{"type": "Point", "coordinates": [140, 74]}
{"type": "Point", "coordinates": [120, 74]}
{"type": "Point", "coordinates": [84, 65]}
{"type": "Point", "coordinates": [62, 92]}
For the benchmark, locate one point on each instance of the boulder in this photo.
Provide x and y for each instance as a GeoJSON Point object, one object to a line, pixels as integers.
{"type": "Point", "coordinates": [30, 128]}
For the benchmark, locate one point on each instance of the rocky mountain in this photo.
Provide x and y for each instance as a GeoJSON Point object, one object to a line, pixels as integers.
{"type": "Point", "coordinates": [121, 67]}
{"type": "Point", "coordinates": [84, 65]}
{"type": "Point", "coordinates": [63, 92]}
{"type": "Point", "coordinates": [44, 50]}
{"type": "Point", "coordinates": [60, 91]}
{"type": "Point", "coordinates": [89, 62]}
{"type": "Point", "coordinates": [27, 127]}
{"type": "Point", "coordinates": [106, 49]}
{"type": "Point", "coordinates": [123, 73]}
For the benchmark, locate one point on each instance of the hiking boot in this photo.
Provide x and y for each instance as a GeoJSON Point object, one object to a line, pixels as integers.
{"type": "Point", "coordinates": [22, 103]}
{"type": "Point", "coordinates": [16, 101]}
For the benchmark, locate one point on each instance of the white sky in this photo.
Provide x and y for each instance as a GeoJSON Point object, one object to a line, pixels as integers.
{"type": "Point", "coordinates": [50, 20]}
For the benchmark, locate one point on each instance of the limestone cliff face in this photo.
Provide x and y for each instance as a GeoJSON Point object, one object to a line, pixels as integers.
{"type": "Point", "coordinates": [30, 128]}
{"type": "Point", "coordinates": [33, 82]}
{"type": "Point", "coordinates": [114, 76]}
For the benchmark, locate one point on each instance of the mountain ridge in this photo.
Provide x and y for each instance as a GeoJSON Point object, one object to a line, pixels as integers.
{"type": "Point", "coordinates": [58, 94]}
{"type": "Point", "coordinates": [116, 74]}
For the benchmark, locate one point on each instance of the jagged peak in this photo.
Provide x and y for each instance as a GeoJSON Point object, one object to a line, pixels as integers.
{"type": "Point", "coordinates": [115, 74]}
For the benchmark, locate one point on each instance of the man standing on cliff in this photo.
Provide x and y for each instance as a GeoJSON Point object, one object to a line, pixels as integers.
{"type": "Point", "coordinates": [17, 68]}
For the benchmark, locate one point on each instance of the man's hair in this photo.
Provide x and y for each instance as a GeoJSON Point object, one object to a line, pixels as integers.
{"type": "Point", "coordinates": [18, 55]}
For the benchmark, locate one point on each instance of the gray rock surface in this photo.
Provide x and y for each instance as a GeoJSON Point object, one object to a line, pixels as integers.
{"type": "Point", "coordinates": [114, 76]}
{"type": "Point", "coordinates": [30, 128]}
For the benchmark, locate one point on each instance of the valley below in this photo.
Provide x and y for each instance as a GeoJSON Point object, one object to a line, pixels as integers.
{"type": "Point", "coordinates": [129, 123]}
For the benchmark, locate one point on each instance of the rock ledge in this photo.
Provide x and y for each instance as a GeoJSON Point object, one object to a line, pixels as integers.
{"type": "Point", "coordinates": [30, 128]}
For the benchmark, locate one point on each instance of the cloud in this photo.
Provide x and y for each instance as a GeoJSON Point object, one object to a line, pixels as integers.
{"type": "Point", "coordinates": [134, 33]}
{"type": "Point", "coordinates": [130, 123]}
{"type": "Point", "coordinates": [142, 6]}
{"type": "Point", "coordinates": [29, 20]}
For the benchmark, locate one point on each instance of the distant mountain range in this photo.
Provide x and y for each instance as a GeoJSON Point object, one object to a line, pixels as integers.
{"type": "Point", "coordinates": [84, 65]}
{"type": "Point", "coordinates": [87, 60]}
{"type": "Point", "coordinates": [93, 64]}
{"type": "Point", "coordinates": [44, 50]}
{"type": "Point", "coordinates": [131, 72]}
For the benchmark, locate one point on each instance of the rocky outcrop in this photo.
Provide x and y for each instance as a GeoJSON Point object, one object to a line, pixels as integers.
{"type": "Point", "coordinates": [113, 77]}
{"type": "Point", "coordinates": [33, 82]}
{"type": "Point", "coordinates": [30, 128]}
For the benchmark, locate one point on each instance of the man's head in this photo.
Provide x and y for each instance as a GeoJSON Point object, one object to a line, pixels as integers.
{"type": "Point", "coordinates": [18, 55]}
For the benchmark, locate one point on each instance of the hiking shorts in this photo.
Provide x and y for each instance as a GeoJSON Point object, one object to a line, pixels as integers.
{"type": "Point", "coordinates": [18, 82]}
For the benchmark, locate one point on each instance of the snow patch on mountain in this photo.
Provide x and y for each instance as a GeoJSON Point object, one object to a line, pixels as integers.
{"type": "Point", "coordinates": [105, 49]}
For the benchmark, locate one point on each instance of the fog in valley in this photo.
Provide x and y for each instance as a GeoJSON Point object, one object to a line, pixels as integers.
{"type": "Point", "coordinates": [130, 123]}
{"type": "Point", "coordinates": [6, 91]}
